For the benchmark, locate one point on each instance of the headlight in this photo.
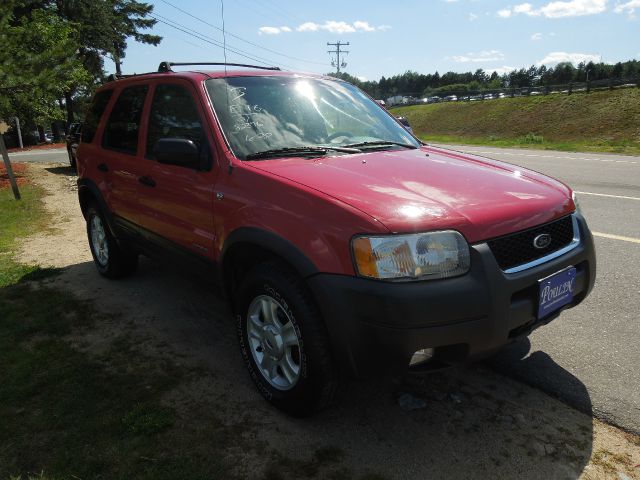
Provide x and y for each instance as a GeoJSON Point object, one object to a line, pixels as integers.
{"type": "Point", "coordinates": [420, 256]}
{"type": "Point", "coordinates": [576, 203]}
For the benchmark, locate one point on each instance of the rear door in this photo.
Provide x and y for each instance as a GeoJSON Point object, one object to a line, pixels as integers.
{"type": "Point", "coordinates": [122, 152]}
{"type": "Point", "coordinates": [176, 202]}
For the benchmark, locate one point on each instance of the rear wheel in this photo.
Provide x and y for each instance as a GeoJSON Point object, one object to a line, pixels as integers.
{"type": "Point", "coordinates": [284, 341]}
{"type": "Point", "coordinates": [110, 259]}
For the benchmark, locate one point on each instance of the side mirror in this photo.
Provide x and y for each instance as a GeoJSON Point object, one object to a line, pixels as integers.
{"type": "Point", "coordinates": [177, 151]}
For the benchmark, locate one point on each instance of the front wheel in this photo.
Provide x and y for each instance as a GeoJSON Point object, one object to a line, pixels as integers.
{"type": "Point", "coordinates": [284, 341]}
{"type": "Point", "coordinates": [111, 260]}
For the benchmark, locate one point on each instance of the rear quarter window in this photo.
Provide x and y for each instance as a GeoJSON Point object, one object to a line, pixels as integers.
{"type": "Point", "coordinates": [92, 118]}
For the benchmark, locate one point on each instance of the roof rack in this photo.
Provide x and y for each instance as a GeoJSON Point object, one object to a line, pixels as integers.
{"type": "Point", "coordinates": [166, 66]}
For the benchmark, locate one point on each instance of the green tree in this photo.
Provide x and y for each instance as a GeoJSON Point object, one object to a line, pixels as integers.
{"type": "Point", "coordinates": [129, 18]}
{"type": "Point", "coordinates": [38, 63]}
{"type": "Point", "coordinates": [104, 27]}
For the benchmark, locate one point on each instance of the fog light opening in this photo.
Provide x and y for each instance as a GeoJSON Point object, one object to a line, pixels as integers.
{"type": "Point", "coordinates": [421, 356]}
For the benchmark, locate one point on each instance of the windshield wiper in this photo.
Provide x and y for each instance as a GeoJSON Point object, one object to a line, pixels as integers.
{"type": "Point", "coordinates": [295, 151]}
{"type": "Point", "coordinates": [380, 143]}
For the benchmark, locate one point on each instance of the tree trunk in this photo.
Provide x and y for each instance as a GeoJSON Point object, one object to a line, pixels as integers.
{"type": "Point", "coordinates": [116, 60]}
{"type": "Point", "coordinates": [68, 100]}
{"type": "Point", "coordinates": [41, 133]}
{"type": "Point", "coordinates": [55, 129]}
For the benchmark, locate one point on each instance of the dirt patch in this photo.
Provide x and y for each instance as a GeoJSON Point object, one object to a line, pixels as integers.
{"type": "Point", "coordinates": [66, 244]}
{"type": "Point", "coordinates": [19, 172]}
{"type": "Point", "coordinates": [466, 423]}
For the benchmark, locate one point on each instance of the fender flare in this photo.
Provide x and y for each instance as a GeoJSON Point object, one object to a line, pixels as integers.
{"type": "Point", "coordinates": [88, 188]}
{"type": "Point", "coordinates": [274, 243]}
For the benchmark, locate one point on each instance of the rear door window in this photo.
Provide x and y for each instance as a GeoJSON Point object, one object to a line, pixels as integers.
{"type": "Point", "coordinates": [92, 119]}
{"type": "Point", "coordinates": [174, 115]}
{"type": "Point", "coordinates": [121, 131]}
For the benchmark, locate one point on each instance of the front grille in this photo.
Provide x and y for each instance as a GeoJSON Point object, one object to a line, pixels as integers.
{"type": "Point", "coordinates": [517, 248]}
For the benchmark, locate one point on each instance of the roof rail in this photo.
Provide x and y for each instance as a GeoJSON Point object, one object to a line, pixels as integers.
{"type": "Point", "coordinates": [114, 76]}
{"type": "Point", "coordinates": [166, 66]}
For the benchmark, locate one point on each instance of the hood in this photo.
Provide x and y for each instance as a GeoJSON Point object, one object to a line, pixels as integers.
{"type": "Point", "coordinates": [433, 189]}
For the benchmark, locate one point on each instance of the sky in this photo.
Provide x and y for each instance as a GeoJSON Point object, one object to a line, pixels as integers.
{"type": "Point", "coordinates": [391, 37]}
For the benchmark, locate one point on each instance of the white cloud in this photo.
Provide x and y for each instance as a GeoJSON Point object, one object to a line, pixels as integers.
{"type": "Point", "coordinates": [272, 30]}
{"type": "Point", "coordinates": [308, 27]}
{"type": "Point", "coordinates": [364, 26]}
{"type": "Point", "coordinates": [560, 9]}
{"type": "Point", "coordinates": [555, 58]}
{"type": "Point", "coordinates": [362, 79]}
{"type": "Point", "coordinates": [574, 8]}
{"type": "Point", "coordinates": [484, 56]}
{"type": "Point", "coordinates": [333, 26]}
{"type": "Point", "coordinates": [338, 27]}
{"type": "Point", "coordinates": [472, 17]}
{"type": "Point", "coordinates": [628, 7]}
{"type": "Point", "coordinates": [536, 36]}
{"type": "Point", "coordinates": [526, 9]}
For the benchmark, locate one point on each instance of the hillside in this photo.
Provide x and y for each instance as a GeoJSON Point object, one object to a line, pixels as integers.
{"type": "Point", "coordinates": [599, 121]}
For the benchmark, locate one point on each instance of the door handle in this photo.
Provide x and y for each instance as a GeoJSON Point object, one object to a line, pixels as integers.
{"type": "Point", "coordinates": [103, 167]}
{"type": "Point", "coordinates": [148, 181]}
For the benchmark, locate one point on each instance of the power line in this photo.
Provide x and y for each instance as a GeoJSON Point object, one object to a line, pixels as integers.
{"type": "Point", "coordinates": [277, 8]}
{"type": "Point", "coordinates": [242, 39]}
{"type": "Point", "coordinates": [214, 42]}
{"type": "Point", "coordinates": [337, 51]}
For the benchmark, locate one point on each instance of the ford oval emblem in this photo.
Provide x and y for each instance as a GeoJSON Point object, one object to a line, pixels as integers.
{"type": "Point", "coordinates": [542, 241]}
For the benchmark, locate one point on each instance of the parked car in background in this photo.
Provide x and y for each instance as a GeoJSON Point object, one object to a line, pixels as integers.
{"type": "Point", "coordinates": [451, 98]}
{"type": "Point", "coordinates": [346, 247]}
{"type": "Point", "coordinates": [73, 139]}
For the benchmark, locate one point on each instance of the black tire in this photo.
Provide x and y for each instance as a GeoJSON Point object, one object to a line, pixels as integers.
{"type": "Point", "coordinates": [119, 262]}
{"type": "Point", "coordinates": [319, 379]}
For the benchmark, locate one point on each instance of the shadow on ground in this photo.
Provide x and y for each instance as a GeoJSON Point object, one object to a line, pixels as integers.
{"type": "Point", "coordinates": [460, 423]}
{"type": "Point", "coordinates": [66, 170]}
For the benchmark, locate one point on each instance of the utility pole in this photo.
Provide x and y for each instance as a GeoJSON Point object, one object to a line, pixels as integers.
{"type": "Point", "coordinates": [336, 63]}
{"type": "Point", "coordinates": [19, 133]}
{"type": "Point", "coordinates": [7, 163]}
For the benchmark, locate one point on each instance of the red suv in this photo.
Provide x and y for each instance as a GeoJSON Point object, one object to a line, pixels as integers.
{"type": "Point", "coordinates": [344, 244]}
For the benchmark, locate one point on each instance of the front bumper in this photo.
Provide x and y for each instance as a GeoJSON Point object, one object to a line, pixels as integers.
{"type": "Point", "coordinates": [377, 326]}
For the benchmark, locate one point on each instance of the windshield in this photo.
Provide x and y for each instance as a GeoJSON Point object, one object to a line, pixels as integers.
{"type": "Point", "coordinates": [259, 114]}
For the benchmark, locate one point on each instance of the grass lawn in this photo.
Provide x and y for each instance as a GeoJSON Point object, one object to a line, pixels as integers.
{"type": "Point", "coordinates": [18, 219]}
